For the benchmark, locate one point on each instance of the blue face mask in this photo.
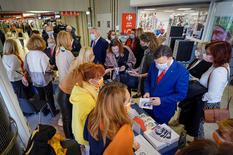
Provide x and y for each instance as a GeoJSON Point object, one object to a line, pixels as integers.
{"type": "Point", "coordinates": [161, 66]}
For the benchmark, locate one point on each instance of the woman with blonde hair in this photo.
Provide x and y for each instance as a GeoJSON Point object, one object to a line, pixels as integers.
{"type": "Point", "coordinates": [14, 66]}
{"type": "Point", "coordinates": [108, 127]}
{"type": "Point", "coordinates": [64, 56]}
{"type": "Point", "coordinates": [86, 55]}
{"type": "Point", "coordinates": [84, 96]}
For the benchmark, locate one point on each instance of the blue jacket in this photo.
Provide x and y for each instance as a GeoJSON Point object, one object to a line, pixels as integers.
{"type": "Point", "coordinates": [172, 88]}
{"type": "Point", "coordinates": [99, 50]}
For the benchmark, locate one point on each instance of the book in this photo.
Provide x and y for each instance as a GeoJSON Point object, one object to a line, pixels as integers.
{"type": "Point", "coordinates": [145, 103]}
{"type": "Point", "coordinates": [145, 147]}
{"type": "Point", "coordinates": [161, 136]}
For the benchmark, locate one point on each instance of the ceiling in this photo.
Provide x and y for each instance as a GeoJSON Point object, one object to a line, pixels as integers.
{"type": "Point", "coordinates": [140, 3]}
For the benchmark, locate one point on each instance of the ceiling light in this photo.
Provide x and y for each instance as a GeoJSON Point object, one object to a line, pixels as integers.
{"type": "Point", "coordinates": [87, 12]}
{"type": "Point", "coordinates": [168, 11]}
{"type": "Point", "coordinates": [184, 9]}
{"type": "Point", "coordinates": [28, 14]}
{"type": "Point", "coordinates": [149, 9]}
{"type": "Point", "coordinates": [39, 11]}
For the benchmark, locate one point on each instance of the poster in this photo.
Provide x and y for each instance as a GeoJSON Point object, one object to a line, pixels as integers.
{"type": "Point", "coordinates": [223, 29]}
{"type": "Point", "coordinates": [128, 22]}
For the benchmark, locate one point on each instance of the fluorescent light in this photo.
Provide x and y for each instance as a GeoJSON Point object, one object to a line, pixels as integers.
{"type": "Point", "coordinates": [39, 11]}
{"type": "Point", "coordinates": [168, 11]}
{"type": "Point", "coordinates": [184, 9]}
{"type": "Point", "coordinates": [28, 14]}
{"type": "Point", "coordinates": [149, 9]}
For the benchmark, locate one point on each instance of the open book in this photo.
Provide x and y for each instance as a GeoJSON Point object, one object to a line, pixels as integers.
{"type": "Point", "coordinates": [145, 147]}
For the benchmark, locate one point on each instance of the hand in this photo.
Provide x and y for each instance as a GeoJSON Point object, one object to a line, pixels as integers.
{"type": "Point", "coordinates": [108, 70]}
{"type": "Point", "coordinates": [146, 95]}
{"type": "Point", "coordinates": [136, 146]}
{"type": "Point", "coordinates": [122, 68]}
{"type": "Point", "coordinates": [155, 101]}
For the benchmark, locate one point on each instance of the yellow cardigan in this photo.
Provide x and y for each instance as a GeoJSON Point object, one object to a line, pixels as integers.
{"type": "Point", "coordinates": [83, 100]}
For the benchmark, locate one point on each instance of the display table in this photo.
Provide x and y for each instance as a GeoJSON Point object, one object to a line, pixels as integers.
{"type": "Point", "coordinates": [168, 150]}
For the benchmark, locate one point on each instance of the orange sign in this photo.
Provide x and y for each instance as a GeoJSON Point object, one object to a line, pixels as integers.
{"type": "Point", "coordinates": [128, 22]}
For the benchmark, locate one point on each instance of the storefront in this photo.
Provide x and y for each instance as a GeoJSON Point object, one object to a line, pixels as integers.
{"type": "Point", "coordinates": [158, 19]}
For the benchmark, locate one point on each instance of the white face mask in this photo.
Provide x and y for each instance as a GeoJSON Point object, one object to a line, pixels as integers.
{"type": "Point", "coordinates": [113, 37]}
{"type": "Point", "coordinates": [51, 45]}
{"type": "Point", "coordinates": [161, 66]}
{"type": "Point", "coordinates": [132, 36]}
{"type": "Point", "coordinates": [50, 33]}
{"type": "Point", "coordinates": [208, 58]}
{"type": "Point", "coordinates": [93, 37]}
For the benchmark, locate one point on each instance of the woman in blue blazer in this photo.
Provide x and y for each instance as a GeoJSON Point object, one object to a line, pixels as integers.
{"type": "Point", "coordinates": [166, 85]}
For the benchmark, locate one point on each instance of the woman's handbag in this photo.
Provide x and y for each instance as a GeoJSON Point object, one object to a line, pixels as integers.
{"type": "Point", "coordinates": [214, 115]}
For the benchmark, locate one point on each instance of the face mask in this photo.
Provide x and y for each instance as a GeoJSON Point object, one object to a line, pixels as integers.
{"type": "Point", "coordinates": [51, 45]}
{"type": "Point", "coordinates": [93, 37]}
{"type": "Point", "coordinates": [208, 58]}
{"type": "Point", "coordinates": [197, 53]}
{"type": "Point", "coordinates": [50, 33]}
{"type": "Point", "coordinates": [113, 37]}
{"type": "Point", "coordinates": [161, 66]}
{"type": "Point", "coordinates": [132, 36]}
{"type": "Point", "coordinates": [96, 83]}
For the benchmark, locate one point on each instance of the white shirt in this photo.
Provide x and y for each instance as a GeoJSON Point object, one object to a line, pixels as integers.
{"type": "Point", "coordinates": [217, 83]}
{"type": "Point", "coordinates": [13, 67]}
{"type": "Point", "coordinates": [63, 60]}
{"type": "Point", "coordinates": [37, 64]}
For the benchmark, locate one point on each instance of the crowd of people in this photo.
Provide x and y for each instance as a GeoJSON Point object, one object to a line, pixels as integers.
{"type": "Point", "coordinates": [96, 84]}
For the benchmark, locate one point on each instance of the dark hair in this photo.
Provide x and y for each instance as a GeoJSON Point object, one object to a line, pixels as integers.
{"type": "Point", "coordinates": [163, 51]}
{"type": "Point", "coordinates": [109, 34]}
{"type": "Point", "coordinates": [116, 42]}
{"type": "Point", "coordinates": [35, 32]}
{"type": "Point", "coordinates": [200, 147]}
{"type": "Point", "coordinates": [221, 52]}
{"type": "Point", "coordinates": [149, 37]}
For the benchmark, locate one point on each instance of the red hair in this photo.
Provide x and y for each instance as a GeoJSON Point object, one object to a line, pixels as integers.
{"type": "Point", "coordinates": [89, 71]}
{"type": "Point", "coordinates": [221, 52]}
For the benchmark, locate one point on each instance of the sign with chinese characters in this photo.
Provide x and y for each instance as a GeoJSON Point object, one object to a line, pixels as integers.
{"type": "Point", "coordinates": [128, 22]}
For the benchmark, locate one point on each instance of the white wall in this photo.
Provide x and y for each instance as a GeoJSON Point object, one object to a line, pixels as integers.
{"type": "Point", "coordinates": [103, 18]}
{"type": "Point", "coordinates": [124, 6]}
{"type": "Point", "coordinates": [44, 5]}
{"type": "Point", "coordinates": [134, 3]}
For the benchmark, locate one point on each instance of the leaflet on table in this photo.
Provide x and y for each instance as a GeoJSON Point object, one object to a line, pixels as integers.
{"type": "Point", "coordinates": [161, 136]}
{"type": "Point", "coordinates": [145, 147]}
{"type": "Point", "coordinates": [145, 103]}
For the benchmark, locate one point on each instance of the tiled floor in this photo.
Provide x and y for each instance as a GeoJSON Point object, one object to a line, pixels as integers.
{"type": "Point", "coordinates": [208, 127]}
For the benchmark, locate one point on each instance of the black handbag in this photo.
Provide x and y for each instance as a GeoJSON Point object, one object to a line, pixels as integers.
{"type": "Point", "coordinates": [195, 90]}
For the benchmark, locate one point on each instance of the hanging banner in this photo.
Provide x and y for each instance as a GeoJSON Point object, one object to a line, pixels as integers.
{"type": "Point", "coordinates": [70, 13]}
{"type": "Point", "coordinates": [128, 22]}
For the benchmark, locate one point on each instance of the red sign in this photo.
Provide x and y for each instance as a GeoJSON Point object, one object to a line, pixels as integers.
{"type": "Point", "coordinates": [128, 22]}
{"type": "Point", "coordinates": [70, 13]}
